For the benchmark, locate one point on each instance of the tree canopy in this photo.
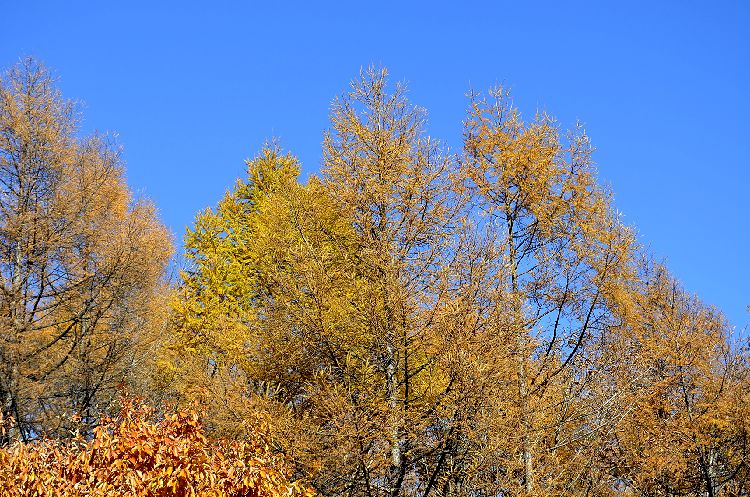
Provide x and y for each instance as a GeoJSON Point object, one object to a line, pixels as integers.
{"type": "Point", "coordinates": [422, 322]}
{"type": "Point", "coordinates": [81, 262]}
{"type": "Point", "coordinates": [412, 321]}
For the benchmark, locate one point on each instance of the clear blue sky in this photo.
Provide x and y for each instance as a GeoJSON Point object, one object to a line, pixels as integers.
{"type": "Point", "coordinates": [194, 88]}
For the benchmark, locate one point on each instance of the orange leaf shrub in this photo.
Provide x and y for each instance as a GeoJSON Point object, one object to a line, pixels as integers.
{"type": "Point", "coordinates": [134, 455]}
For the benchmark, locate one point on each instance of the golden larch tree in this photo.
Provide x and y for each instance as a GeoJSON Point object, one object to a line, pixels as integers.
{"type": "Point", "coordinates": [81, 261]}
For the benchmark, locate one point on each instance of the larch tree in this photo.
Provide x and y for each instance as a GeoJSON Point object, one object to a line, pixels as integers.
{"type": "Point", "coordinates": [81, 262]}
{"type": "Point", "coordinates": [684, 385]}
{"type": "Point", "coordinates": [566, 261]}
{"type": "Point", "coordinates": [426, 280]}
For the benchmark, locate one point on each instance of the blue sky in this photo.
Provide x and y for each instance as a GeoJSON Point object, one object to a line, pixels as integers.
{"type": "Point", "coordinates": [194, 88]}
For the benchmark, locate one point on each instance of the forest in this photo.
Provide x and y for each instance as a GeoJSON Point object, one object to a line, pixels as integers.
{"type": "Point", "coordinates": [411, 321]}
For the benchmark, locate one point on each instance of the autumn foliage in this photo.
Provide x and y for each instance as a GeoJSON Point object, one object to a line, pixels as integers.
{"type": "Point", "coordinates": [411, 322]}
{"type": "Point", "coordinates": [136, 455]}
